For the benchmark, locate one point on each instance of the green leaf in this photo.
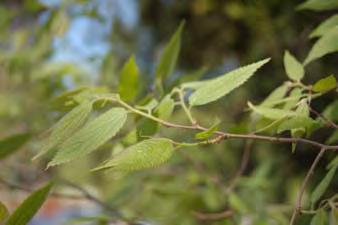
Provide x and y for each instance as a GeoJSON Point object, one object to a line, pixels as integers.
{"type": "Point", "coordinates": [146, 154]}
{"type": "Point", "coordinates": [66, 127]}
{"type": "Point", "coordinates": [128, 85]}
{"type": "Point", "coordinates": [333, 138]}
{"type": "Point", "coordinates": [3, 212]}
{"type": "Point", "coordinates": [170, 54]}
{"type": "Point", "coordinates": [271, 113]}
{"type": "Point", "coordinates": [295, 96]}
{"type": "Point", "coordinates": [296, 123]}
{"type": "Point", "coordinates": [91, 136]}
{"type": "Point", "coordinates": [11, 144]}
{"type": "Point", "coordinates": [25, 212]}
{"type": "Point", "coordinates": [333, 163]}
{"type": "Point", "coordinates": [278, 94]}
{"type": "Point", "coordinates": [325, 84]}
{"type": "Point", "coordinates": [320, 218]}
{"type": "Point", "coordinates": [207, 133]}
{"type": "Point", "coordinates": [149, 106]}
{"type": "Point", "coordinates": [323, 185]}
{"type": "Point", "coordinates": [318, 5]}
{"type": "Point", "coordinates": [296, 133]}
{"type": "Point", "coordinates": [294, 69]}
{"type": "Point", "coordinates": [221, 86]}
{"type": "Point", "coordinates": [326, 44]}
{"type": "Point", "coordinates": [330, 112]}
{"type": "Point", "coordinates": [165, 108]}
{"type": "Point", "coordinates": [325, 26]}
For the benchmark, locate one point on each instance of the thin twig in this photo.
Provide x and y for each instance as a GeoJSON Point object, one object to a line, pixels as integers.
{"type": "Point", "coordinates": [298, 207]}
{"type": "Point", "coordinates": [213, 216]}
{"type": "Point", "coordinates": [329, 123]}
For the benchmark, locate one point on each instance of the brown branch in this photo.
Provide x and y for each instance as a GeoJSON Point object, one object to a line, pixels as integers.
{"type": "Point", "coordinates": [329, 123]}
{"type": "Point", "coordinates": [213, 216]}
{"type": "Point", "coordinates": [298, 207]}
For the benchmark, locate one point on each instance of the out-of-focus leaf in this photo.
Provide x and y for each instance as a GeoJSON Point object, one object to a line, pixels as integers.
{"type": "Point", "coordinates": [91, 136]}
{"type": "Point", "coordinates": [330, 112]}
{"type": "Point", "coordinates": [333, 138]}
{"type": "Point", "coordinates": [325, 84]}
{"type": "Point", "coordinates": [320, 218]}
{"type": "Point", "coordinates": [25, 212]}
{"type": "Point", "coordinates": [128, 85]}
{"type": "Point", "coordinates": [99, 220]}
{"type": "Point", "coordinates": [294, 96]}
{"type": "Point", "coordinates": [148, 106]}
{"type": "Point", "coordinates": [207, 133]}
{"type": "Point", "coordinates": [333, 163]}
{"type": "Point", "coordinates": [170, 54]}
{"type": "Point", "coordinates": [296, 133]}
{"type": "Point", "coordinates": [295, 123]}
{"type": "Point", "coordinates": [3, 212]}
{"type": "Point", "coordinates": [325, 26]}
{"type": "Point", "coordinates": [165, 108]}
{"type": "Point", "coordinates": [278, 94]}
{"type": "Point", "coordinates": [221, 86]}
{"type": "Point", "coordinates": [66, 127]}
{"type": "Point", "coordinates": [11, 144]}
{"type": "Point", "coordinates": [294, 69]}
{"type": "Point", "coordinates": [323, 185]}
{"type": "Point", "coordinates": [318, 5]}
{"type": "Point", "coordinates": [325, 45]}
{"type": "Point", "coordinates": [146, 154]}
{"type": "Point", "coordinates": [271, 113]}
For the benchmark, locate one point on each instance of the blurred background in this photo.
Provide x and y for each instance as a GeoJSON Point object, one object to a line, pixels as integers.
{"type": "Point", "coordinates": [51, 46]}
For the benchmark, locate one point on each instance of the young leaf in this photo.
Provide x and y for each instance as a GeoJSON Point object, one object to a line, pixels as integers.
{"type": "Point", "coordinates": [318, 5]}
{"type": "Point", "coordinates": [170, 54]}
{"type": "Point", "coordinates": [128, 84]}
{"type": "Point", "coordinates": [271, 113]}
{"type": "Point", "coordinates": [325, 26]}
{"type": "Point", "coordinates": [323, 185]}
{"type": "Point", "coordinates": [325, 84]}
{"type": "Point", "coordinates": [296, 123]}
{"type": "Point", "coordinates": [207, 133]}
{"type": "Point", "coordinates": [65, 127]}
{"type": "Point", "coordinates": [326, 44]}
{"type": "Point", "coordinates": [295, 96]}
{"type": "Point", "coordinates": [25, 212]}
{"type": "Point", "coordinates": [91, 136]}
{"type": "Point", "coordinates": [275, 96]}
{"type": "Point", "coordinates": [146, 154]}
{"type": "Point", "coordinates": [221, 86]}
{"type": "Point", "coordinates": [165, 108]}
{"type": "Point", "coordinates": [3, 212]}
{"type": "Point", "coordinates": [11, 144]}
{"type": "Point", "coordinates": [333, 138]}
{"type": "Point", "coordinates": [293, 68]}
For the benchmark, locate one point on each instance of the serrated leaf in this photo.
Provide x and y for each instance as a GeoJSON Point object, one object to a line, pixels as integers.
{"type": "Point", "coordinates": [11, 144]}
{"type": "Point", "coordinates": [318, 5]}
{"type": "Point", "coordinates": [325, 26]}
{"type": "Point", "coordinates": [325, 84]}
{"type": "Point", "coordinates": [323, 185]}
{"type": "Point", "coordinates": [170, 54]}
{"type": "Point", "coordinates": [223, 85]}
{"type": "Point", "coordinates": [146, 154]}
{"type": "Point", "coordinates": [326, 44]}
{"type": "Point", "coordinates": [3, 212]}
{"type": "Point", "coordinates": [271, 113]}
{"type": "Point", "coordinates": [66, 127]}
{"type": "Point", "coordinates": [128, 84]}
{"type": "Point", "coordinates": [320, 218]}
{"type": "Point", "coordinates": [91, 136]}
{"type": "Point", "coordinates": [294, 69]}
{"type": "Point", "coordinates": [165, 108]}
{"type": "Point", "coordinates": [26, 211]}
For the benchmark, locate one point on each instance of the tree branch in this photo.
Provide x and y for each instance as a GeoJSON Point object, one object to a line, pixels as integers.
{"type": "Point", "coordinates": [329, 123]}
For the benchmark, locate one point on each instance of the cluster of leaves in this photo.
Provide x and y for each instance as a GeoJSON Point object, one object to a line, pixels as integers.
{"type": "Point", "coordinates": [137, 124]}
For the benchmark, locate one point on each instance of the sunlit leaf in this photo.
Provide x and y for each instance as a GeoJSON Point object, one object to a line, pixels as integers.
{"type": "Point", "coordinates": [91, 136]}
{"type": "Point", "coordinates": [25, 212]}
{"type": "Point", "coordinates": [11, 144]}
{"type": "Point", "coordinates": [325, 84]}
{"type": "Point", "coordinates": [207, 133]}
{"type": "Point", "coordinates": [319, 5]}
{"type": "Point", "coordinates": [146, 154]}
{"type": "Point", "coordinates": [326, 44]}
{"type": "Point", "coordinates": [128, 85]}
{"type": "Point", "coordinates": [325, 26]}
{"type": "Point", "coordinates": [165, 108]}
{"type": "Point", "coordinates": [294, 69]}
{"type": "Point", "coordinates": [296, 123]}
{"type": "Point", "coordinates": [170, 54]}
{"type": "Point", "coordinates": [221, 86]}
{"type": "Point", "coordinates": [278, 94]}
